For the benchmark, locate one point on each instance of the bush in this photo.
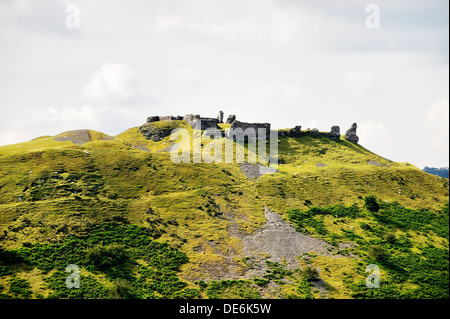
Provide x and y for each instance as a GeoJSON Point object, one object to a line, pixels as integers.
{"type": "Point", "coordinates": [378, 253]}
{"type": "Point", "coordinates": [370, 202]}
{"type": "Point", "coordinates": [107, 256]}
{"type": "Point", "coordinates": [310, 273]}
{"type": "Point", "coordinates": [121, 289]}
{"type": "Point", "coordinates": [20, 287]}
{"type": "Point", "coordinates": [389, 238]}
{"type": "Point", "coordinates": [261, 282]}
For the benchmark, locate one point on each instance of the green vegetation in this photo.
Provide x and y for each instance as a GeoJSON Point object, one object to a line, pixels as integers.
{"type": "Point", "coordinates": [133, 264]}
{"type": "Point", "coordinates": [370, 202]}
{"type": "Point", "coordinates": [231, 289]}
{"type": "Point", "coordinates": [310, 273]}
{"type": "Point", "coordinates": [140, 226]}
{"type": "Point", "coordinates": [388, 238]}
{"type": "Point", "coordinates": [313, 217]}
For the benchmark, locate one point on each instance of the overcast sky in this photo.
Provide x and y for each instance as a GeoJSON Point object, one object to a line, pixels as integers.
{"type": "Point", "coordinates": [287, 62]}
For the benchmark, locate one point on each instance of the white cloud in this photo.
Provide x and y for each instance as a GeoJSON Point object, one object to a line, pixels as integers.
{"type": "Point", "coordinates": [86, 116]}
{"type": "Point", "coordinates": [13, 136]}
{"type": "Point", "coordinates": [280, 91]}
{"type": "Point", "coordinates": [111, 84]}
{"type": "Point", "coordinates": [357, 83]}
{"type": "Point", "coordinates": [437, 125]}
{"type": "Point", "coordinates": [373, 136]}
{"type": "Point", "coordinates": [43, 16]}
{"type": "Point", "coordinates": [51, 121]}
{"type": "Point", "coordinates": [438, 114]}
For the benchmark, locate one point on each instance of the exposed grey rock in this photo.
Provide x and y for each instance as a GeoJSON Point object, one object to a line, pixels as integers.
{"type": "Point", "coordinates": [155, 134]}
{"type": "Point", "coordinates": [220, 117]}
{"type": "Point", "coordinates": [314, 132]}
{"type": "Point", "coordinates": [78, 137]}
{"type": "Point", "coordinates": [335, 133]}
{"type": "Point", "coordinates": [152, 119]}
{"type": "Point", "coordinates": [350, 135]}
{"type": "Point", "coordinates": [231, 118]}
{"type": "Point", "coordinates": [321, 165]}
{"type": "Point", "coordinates": [256, 171]}
{"type": "Point", "coordinates": [293, 132]}
{"type": "Point", "coordinates": [170, 148]}
{"type": "Point", "coordinates": [281, 241]}
{"type": "Point", "coordinates": [372, 162]}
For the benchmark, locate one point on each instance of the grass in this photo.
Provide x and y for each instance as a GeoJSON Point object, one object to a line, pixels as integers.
{"type": "Point", "coordinates": [53, 192]}
{"type": "Point", "coordinates": [410, 267]}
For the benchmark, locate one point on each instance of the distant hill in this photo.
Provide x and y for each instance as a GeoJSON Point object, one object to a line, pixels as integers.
{"type": "Point", "coordinates": [438, 171]}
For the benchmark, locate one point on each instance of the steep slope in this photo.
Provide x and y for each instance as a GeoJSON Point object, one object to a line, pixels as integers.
{"type": "Point", "coordinates": [173, 230]}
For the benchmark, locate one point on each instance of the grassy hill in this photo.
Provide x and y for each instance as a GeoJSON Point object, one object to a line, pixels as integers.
{"type": "Point", "coordinates": [140, 226]}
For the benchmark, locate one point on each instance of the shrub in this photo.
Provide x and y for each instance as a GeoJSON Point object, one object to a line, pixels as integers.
{"type": "Point", "coordinates": [121, 289]}
{"type": "Point", "coordinates": [370, 202]}
{"type": "Point", "coordinates": [378, 253]}
{"type": "Point", "coordinates": [389, 237]}
{"type": "Point", "coordinates": [20, 286]}
{"type": "Point", "coordinates": [261, 282]}
{"type": "Point", "coordinates": [310, 273]}
{"type": "Point", "coordinates": [107, 256]}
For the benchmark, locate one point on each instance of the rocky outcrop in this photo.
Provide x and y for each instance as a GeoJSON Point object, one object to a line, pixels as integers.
{"type": "Point", "coordinates": [231, 118]}
{"type": "Point", "coordinates": [335, 133]}
{"type": "Point", "coordinates": [220, 117]}
{"type": "Point", "coordinates": [293, 132]}
{"type": "Point", "coordinates": [151, 119]}
{"type": "Point", "coordinates": [80, 137]}
{"type": "Point", "coordinates": [296, 132]}
{"type": "Point", "coordinates": [314, 133]}
{"type": "Point", "coordinates": [373, 162]}
{"type": "Point", "coordinates": [255, 171]}
{"type": "Point", "coordinates": [151, 132]}
{"type": "Point", "coordinates": [350, 135]}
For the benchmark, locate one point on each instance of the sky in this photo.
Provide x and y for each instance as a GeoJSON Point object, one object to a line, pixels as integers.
{"type": "Point", "coordinates": [108, 65]}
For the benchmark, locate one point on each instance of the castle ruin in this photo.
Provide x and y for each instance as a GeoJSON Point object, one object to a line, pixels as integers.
{"type": "Point", "coordinates": [244, 130]}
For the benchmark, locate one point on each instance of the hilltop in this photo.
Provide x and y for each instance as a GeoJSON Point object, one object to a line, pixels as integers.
{"type": "Point", "coordinates": [139, 225]}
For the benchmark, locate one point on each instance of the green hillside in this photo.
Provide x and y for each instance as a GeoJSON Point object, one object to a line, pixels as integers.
{"type": "Point", "coordinates": [140, 226]}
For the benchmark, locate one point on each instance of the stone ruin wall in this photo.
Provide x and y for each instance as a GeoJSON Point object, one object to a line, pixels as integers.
{"type": "Point", "coordinates": [208, 123]}
{"type": "Point", "coordinates": [243, 126]}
